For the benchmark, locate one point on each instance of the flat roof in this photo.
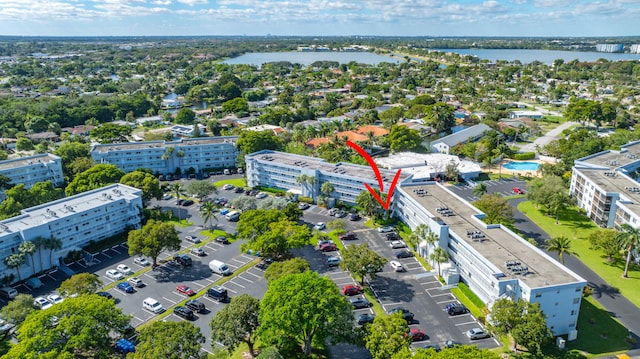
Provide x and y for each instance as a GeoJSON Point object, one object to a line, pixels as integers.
{"type": "Point", "coordinates": [499, 246]}
{"type": "Point", "coordinates": [108, 147]}
{"type": "Point", "coordinates": [613, 182]}
{"type": "Point", "coordinates": [423, 163]}
{"type": "Point", "coordinates": [65, 207]}
{"type": "Point", "coordinates": [26, 161]}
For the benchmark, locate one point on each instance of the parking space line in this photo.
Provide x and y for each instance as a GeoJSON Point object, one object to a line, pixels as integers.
{"type": "Point", "coordinates": [239, 261]}
{"type": "Point", "coordinates": [466, 323]}
{"type": "Point", "coordinates": [391, 304]}
{"type": "Point", "coordinates": [437, 295]}
{"type": "Point", "coordinates": [245, 279]}
{"type": "Point", "coordinates": [169, 300]}
{"type": "Point", "coordinates": [231, 290]}
{"type": "Point", "coordinates": [198, 284]}
{"type": "Point", "coordinates": [248, 257]}
{"type": "Point", "coordinates": [446, 301]}
{"type": "Point", "coordinates": [114, 249]}
{"type": "Point", "coordinates": [239, 285]}
{"type": "Point", "coordinates": [255, 275]}
{"type": "Point", "coordinates": [106, 255]}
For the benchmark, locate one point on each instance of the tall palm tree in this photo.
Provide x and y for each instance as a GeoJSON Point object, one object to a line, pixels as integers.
{"type": "Point", "coordinates": [178, 190]}
{"type": "Point", "coordinates": [40, 243]}
{"type": "Point", "coordinates": [500, 151]}
{"type": "Point", "coordinates": [479, 190]}
{"type": "Point", "coordinates": [52, 244]}
{"type": "Point", "coordinates": [629, 238]}
{"type": "Point", "coordinates": [326, 189]}
{"type": "Point", "coordinates": [208, 212]}
{"type": "Point", "coordinates": [29, 248]}
{"type": "Point", "coordinates": [439, 256]}
{"type": "Point", "coordinates": [14, 261]}
{"type": "Point", "coordinates": [561, 245]}
{"type": "Point", "coordinates": [418, 235]}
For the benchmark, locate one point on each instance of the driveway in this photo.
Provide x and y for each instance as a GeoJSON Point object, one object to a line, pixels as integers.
{"type": "Point", "coordinates": [547, 137]}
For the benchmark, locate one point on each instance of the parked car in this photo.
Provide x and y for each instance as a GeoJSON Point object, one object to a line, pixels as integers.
{"type": "Point", "coordinates": [222, 240]}
{"type": "Point", "coordinates": [196, 306]}
{"type": "Point", "coordinates": [323, 242]}
{"type": "Point", "coordinates": [187, 203]}
{"type": "Point", "coordinates": [55, 299]}
{"type": "Point", "coordinates": [365, 318]}
{"type": "Point", "coordinates": [333, 261]}
{"type": "Point", "coordinates": [192, 239]}
{"type": "Point", "coordinates": [397, 244]}
{"type": "Point", "coordinates": [416, 335]}
{"type": "Point", "coordinates": [239, 190]}
{"type": "Point", "coordinates": [354, 217]}
{"type": "Point", "coordinates": [477, 333]}
{"type": "Point", "coordinates": [166, 196]}
{"type": "Point", "coordinates": [333, 211]}
{"type": "Point", "coordinates": [351, 289]}
{"type": "Point", "coordinates": [141, 261]}
{"type": "Point", "coordinates": [403, 254]}
{"type": "Point", "coordinates": [340, 214]}
{"type": "Point", "coordinates": [136, 282]}
{"type": "Point", "coordinates": [183, 289]}
{"type": "Point", "coordinates": [329, 247]}
{"type": "Point", "coordinates": [406, 314]}
{"type": "Point", "coordinates": [183, 260]}
{"type": "Point", "coordinates": [184, 312]}
{"type": "Point", "coordinates": [218, 293]}
{"type": "Point", "coordinates": [393, 236]}
{"type": "Point", "coordinates": [457, 310]}
{"type": "Point", "coordinates": [261, 195]}
{"type": "Point", "coordinates": [517, 190]}
{"type": "Point", "coordinates": [320, 226]}
{"type": "Point", "coordinates": [114, 274]}
{"type": "Point", "coordinates": [105, 295]}
{"type": "Point", "coordinates": [264, 264]}
{"type": "Point", "coordinates": [360, 302]}
{"type": "Point", "coordinates": [228, 187]}
{"type": "Point", "coordinates": [349, 236]}
{"type": "Point", "coordinates": [42, 303]}
{"type": "Point", "coordinates": [197, 251]}
{"type": "Point", "coordinates": [124, 269]}
{"type": "Point", "coordinates": [385, 229]}
{"type": "Point", "coordinates": [397, 266]}
{"type": "Point", "coordinates": [303, 205]}
{"type": "Point", "coordinates": [125, 287]}
{"type": "Point", "coordinates": [434, 346]}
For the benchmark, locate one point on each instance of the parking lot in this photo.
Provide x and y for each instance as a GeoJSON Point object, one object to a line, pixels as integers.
{"type": "Point", "coordinates": [502, 186]}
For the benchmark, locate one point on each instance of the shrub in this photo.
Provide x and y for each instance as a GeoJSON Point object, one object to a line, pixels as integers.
{"type": "Point", "coordinates": [305, 199]}
{"type": "Point", "coordinates": [524, 156]}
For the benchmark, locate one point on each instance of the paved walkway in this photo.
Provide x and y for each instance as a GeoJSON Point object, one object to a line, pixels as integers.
{"type": "Point", "coordinates": [547, 137]}
{"type": "Point", "coordinates": [617, 305]}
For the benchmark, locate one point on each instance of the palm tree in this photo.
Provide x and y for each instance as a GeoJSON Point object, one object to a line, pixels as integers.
{"type": "Point", "coordinates": [14, 261]}
{"type": "Point", "coordinates": [28, 248]}
{"type": "Point", "coordinates": [561, 245]}
{"type": "Point", "coordinates": [439, 256]}
{"type": "Point", "coordinates": [479, 190]}
{"type": "Point", "coordinates": [500, 151]}
{"type": "Point", "coordinates": [40, 243]}
{"type": "Point", "coordinates": [208, 212]}
{"type": "Point", "coordinates": [52, 244]}
{"type": "Point", "coordinates": [178, 190]}
{"type": "Point", "coordinates": [326, 189]}
{"type": "Point", "coordinates": [559, 202]}
{"type": "Point", "coordinates": [629, 238]}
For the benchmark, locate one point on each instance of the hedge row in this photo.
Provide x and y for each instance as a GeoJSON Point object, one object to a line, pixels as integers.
{"type": "Point", "coordinates": [524, 156]}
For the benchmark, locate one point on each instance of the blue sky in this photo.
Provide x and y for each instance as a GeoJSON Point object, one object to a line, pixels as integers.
{"type": "Point", "coordinates": [320, 17]}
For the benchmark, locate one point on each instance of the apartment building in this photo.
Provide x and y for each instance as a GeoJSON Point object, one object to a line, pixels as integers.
{"type": "Point", "coordinates": [493, 261]}
{"type": "Point", "coordinates": [305, 175]}
{"type": "Point", "coordinates": [33, 169]}
{"type": "Point", "coordinates": [166, 157]}
{"type": "Point", "coordinates": [76, 221]}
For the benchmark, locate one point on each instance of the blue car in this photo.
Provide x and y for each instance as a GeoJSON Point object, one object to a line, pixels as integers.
{"type": "Point", "coordinates": [126, 287]}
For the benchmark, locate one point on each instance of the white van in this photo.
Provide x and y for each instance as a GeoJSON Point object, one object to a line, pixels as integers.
{"type": "Point", "coordinates": [8, 293]}
{"type": "Point", "coordinates": [219, 267]}
{"type": "Point", "coordinates": [232, 216]}
{"type": "Point", "coordinates": [152, 305]}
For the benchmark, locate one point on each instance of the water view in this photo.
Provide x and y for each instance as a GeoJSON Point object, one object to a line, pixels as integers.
{"type": "Point", "coordinates": [307, 58]}
{"type": "Point", "coordinates": [521, 166]}
{"type": "Point", "coordinates": [544, 56]}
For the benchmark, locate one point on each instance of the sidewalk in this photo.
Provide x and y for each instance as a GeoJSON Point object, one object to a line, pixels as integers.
{"type": "Point", "coordinates": [547, 137]}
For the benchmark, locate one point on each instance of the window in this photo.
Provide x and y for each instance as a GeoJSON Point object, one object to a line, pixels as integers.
{"type": "Point", "coordinates": [578, 289]}
{"type": "Point", "coordinates": [576, 300]}
{"type": "Point", "coordinates": [573, 312]}
{"type": "Point", "coordinates": [538, 295]}
{"type": "Point", "coordinates": [573, 324]}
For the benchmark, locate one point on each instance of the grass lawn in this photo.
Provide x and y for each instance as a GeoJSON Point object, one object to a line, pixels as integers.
{"type": "Point", "coordinates": [238, 182]}
{"type": "Point", "coordinates": [578, 227]}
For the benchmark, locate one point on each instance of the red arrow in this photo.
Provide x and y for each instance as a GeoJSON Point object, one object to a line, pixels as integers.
{"type": "Point", "coordinates": [373, 166]}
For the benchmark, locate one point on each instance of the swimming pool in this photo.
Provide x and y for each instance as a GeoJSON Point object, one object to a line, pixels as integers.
{"type": "Point", "coordinates": [521, 166]}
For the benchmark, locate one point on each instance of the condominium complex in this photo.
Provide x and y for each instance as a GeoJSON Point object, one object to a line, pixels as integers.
{"type": "Point", "coordinates": [33, 169]}
{"type": "Point", "coordinates": [609, 47]}
{"type": "Point", "coordinates": [76, 221]}
{"type": "Point", "coordinates": [493, 261]}
{"type": "Point", "coordinates": [605, 186]}
{"type": "Point", "coordinates": [164, 157]}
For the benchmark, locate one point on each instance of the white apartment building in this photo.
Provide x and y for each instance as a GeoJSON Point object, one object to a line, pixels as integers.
{"type": "Point", "coordinates": [164, 157]}
{"type": "Point", "coordinates": [286, 171]}
{"type": "Point", "coordinates": [493, 261]}
{"type": "Point", "coordinates": [76, 221]}
{"type": "Point", "coordinates": [33, 169]}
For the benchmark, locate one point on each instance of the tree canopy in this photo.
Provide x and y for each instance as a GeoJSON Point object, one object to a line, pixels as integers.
{"type": "Point", "coordinates": [18, 309]}
{"type": "Point", "coordinates": [95, 177]}
{"type": "Point", "coordinates": [524, 321]}
{"type": "Point", "coordinates": [386, 336]}
{"type": "Point", "coordinates": [403, 138]}
{"type": "Point", "coordinates": [362, 261]}
{"type": "Point", "coordinates": [277, 270]}
{"type": "Point", "coordinates": [152, 239]}
{"type": "Point", "coordinates": [79, 284]}
{"type": "Point", "coordinates": [147, 182]}
{"type": "Point", "coordinates": [173, 340]}
{"type": "Point", "coordinates": [496, 208]}
{"type": "Point", "coordinates": [236, 323]}
{"type": "Point", "coordinates": [111, 133]}
{"type": "Point", "coordinates": [254, 141]}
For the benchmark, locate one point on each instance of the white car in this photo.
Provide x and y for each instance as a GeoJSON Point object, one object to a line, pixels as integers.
{"type": "Point", "coordinates": [55, 299]}
{"type": "Point", "coordinates": [166, 196]}
{"type": "Point", "coordinates": [124, 269]}
{"type": "Point", "coordinates": [42, 303]}
{"type": "Point", "coordinates": [261, 195]}
{"type": "Point", "coordinates": [397, 244]}
{"type": "Point", "coordinates": [114, 274]}
{"type": "Point", "coordinates": [228, 187]}
{"type": "Point", "coordinates": [135, 281]}
{"type": "Point", "coordinates": [319, 226]}
{"type": "Point", "coordinates": [192, 239]}
{"type": "Point", "coordinates": [397, 266]}
{"type": "Point", "coordinates": [141, 261]}
{"type": "Point", "coordinates": [385, 229]}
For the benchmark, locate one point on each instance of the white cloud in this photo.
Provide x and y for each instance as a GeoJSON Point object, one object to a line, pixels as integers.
{"type": "Point", "coordinates": [193, 2]}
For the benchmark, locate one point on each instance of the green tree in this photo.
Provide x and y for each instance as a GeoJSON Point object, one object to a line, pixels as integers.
{"type": "Point", "coordinates": [479, 190]}
{"type": "Point", "coordinates": [237, 105]}
{"type": "Point", "coordinates": [80, 284]}
{"type": "Point", "coordinates": [326, 189]}
{"type": "Point", "coordinates": [5, 183]}
{"type": "Point", "coordinates": [402, 138]}
{"type": "Point", "coordinates": [254, 141]}
{"type": "Point", "coordinates": [458, 352]}
{"type": "Point", "coordinates": [524, 321]}
{"type": "Point", "coordinates": [558, 202]}
{"type": "Point", "coordinates": [18, 309]}
{"type": "Point", "coordinates": [270, 353]}
{"type": "Point", "coordinates": [370, 206]}
{"type": "Point", "coordinates": [185, 116]}
{"type": "Point", "coordinates": [70, 151]}
{"type": "Point", "coordinates": [24, 144]}
{"type": "Point", "coordinates": [560, 245]}
{"type": "Point", "coordinates": [304, 308]}
{"type": "Point", "coordinates": [28, 248]}
{"type": "Point", "coordinates": [280, 237]}
{"type": "Point", "coordinates": [496, 208]}
{"type": "Point", "coordinates": [254, 222]}
{"type": "Point", "coordinates": [362, 261]}
{"type": "Point", "coordinates": [277, 270]}
{"type": "Point", "coordinates": [152, 239]}
{"type": "Point", "coordinates": [605, 240]}
{"type": "Point", "coordinates": [386, 336]}
{"type": "Point", "coordinates": [439, 255]}
{"type": "Point", "coordinates": [244, 203]}
{"type": "Point", "coordinates": [208, 212]}
{"type": "Point", "coordinates": [201, 189]}
{"type": "Point", "coordinates": [111, 133]}
{"type": "Point", "coordinates": [147, 182]}
{"type": "Point", "coordinates": [178, 190]}
{"type": "Point", "coordinates": [292, 212]}
{"type": "Point", "coordinates": [629, 238]}
{"type": "Point", "coordinates": [15, 261]}
{"type": "Point", "coordinates": [95, 177]}
{"type": "Point", "coordinates": [175, 340]}
{"type": "Point", "coordinates": [84, 329]}
{"type": "Point", "coordinates": [422, 232]}
{"type": "Point", "coordinates": [52, 244]}
{"type": "Point", "coordinates": [43, 192]}
{"type": "Point", "coordinates": [237, 323]}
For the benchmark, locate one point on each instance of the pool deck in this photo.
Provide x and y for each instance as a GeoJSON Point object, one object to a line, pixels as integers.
{"type": "Point", "coordinates": [495, 169]}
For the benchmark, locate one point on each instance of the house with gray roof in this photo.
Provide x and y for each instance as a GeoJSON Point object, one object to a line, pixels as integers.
{"type": "Point", "coordinates": [445, 144]}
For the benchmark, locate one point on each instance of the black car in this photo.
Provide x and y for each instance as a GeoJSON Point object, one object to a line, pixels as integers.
{"type": "Point", "coordinates": [222, 240]}
{"type": "Point", "coordinates": [264, 264]}
{"type": "Point", "coordinates": [365, 318]}
{"type": "Point", "coordinates": [105, 294]}
{"type": "Point", "coordinates": [183, 260]}
{"type": "Point", "coordinates": [349, 236]}
{"type": "Point", "coordinates": [218, 293]}
{"type": "Point", "coordinates": [196, 306]}
{"type": "Point", "coordinates": [354, 217]}
{"type": "Point", "coordinates": [184, 312]}
{"type": "Point", "coordinates": [187, 202]}
{"type": "Point", "coordinates": [457, 310]}
{"type": "Point", "coordinates": [403, 254]}
{"type": "Point", "coordinates": [239, 190]}
{"type": "Point", "coordinates": [393, 237]}
{"type": "Point", "coordinates": [435, 347]}
{"type": "Point", "coordinates": [359, 303]}
{"type": "Point", "coordinates": [406, 314]}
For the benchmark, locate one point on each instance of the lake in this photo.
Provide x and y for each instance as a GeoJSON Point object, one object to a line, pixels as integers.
{"type": "Point", "coordinates": [307, 58]}
{"type": "Point", "coordinates": [544, 56]}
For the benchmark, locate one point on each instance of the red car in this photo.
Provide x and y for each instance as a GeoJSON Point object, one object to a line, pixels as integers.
{"type": "Point", "coordinates": [328, 247]}
{"type": "Point", "coordinates": [416, 335]}
{"type": "Point", "coordinates": [517, 190]}
{"type": "Point", "coordinates": [185, 290]}
{"type": "Point", "coordinates": [351, 289]}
